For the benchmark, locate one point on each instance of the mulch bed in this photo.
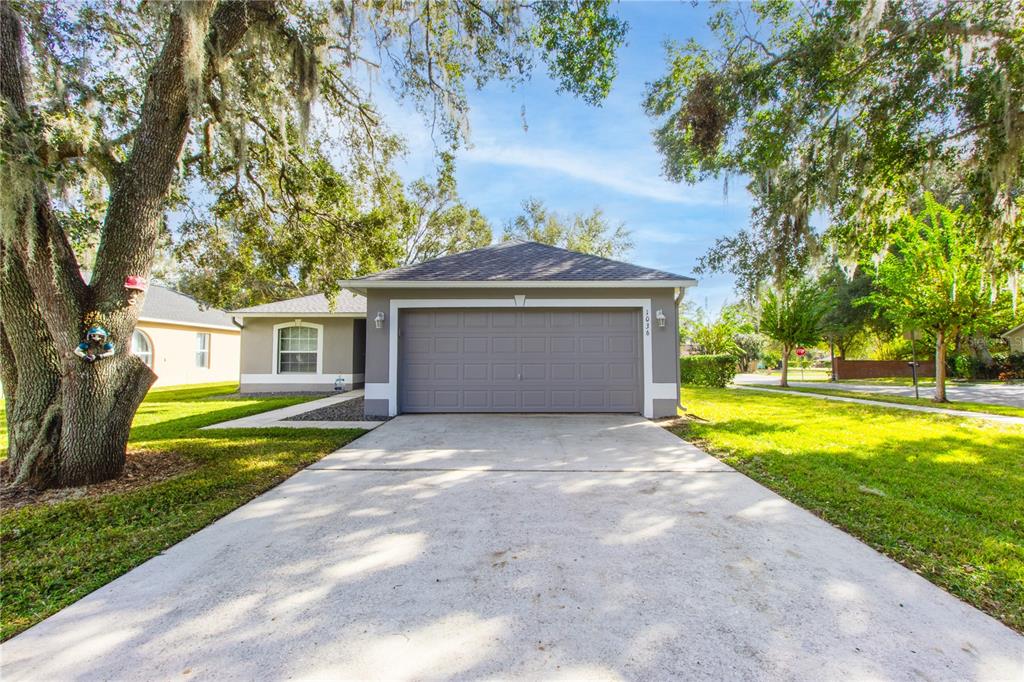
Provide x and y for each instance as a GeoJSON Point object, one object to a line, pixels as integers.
{"type": "Point", "coordinates": [140, 470]}
{"type": "Point", "coordinates": [347, 411]}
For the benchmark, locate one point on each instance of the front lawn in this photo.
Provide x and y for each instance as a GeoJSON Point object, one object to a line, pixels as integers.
{"type": "Point", "coordinates": [54, 554]}
{"type": "Point", "coordinates": [987, 408]}
{"type": "Point", "coordinates": [941, 495]}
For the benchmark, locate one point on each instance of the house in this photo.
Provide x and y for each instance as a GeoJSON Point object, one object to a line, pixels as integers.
{"type": "Point", "coordinates": [184, 343]}
{"type": "Point", "coordinates": [511, 327]}
{"type": "Point", "coordinates": [1015, 339]}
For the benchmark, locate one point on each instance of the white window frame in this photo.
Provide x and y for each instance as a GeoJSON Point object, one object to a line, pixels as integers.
{"type": "Point", "coordinates": [149, 341]}
{"type": "Point", "coordinates": [206, 350]}
{"type": "Point", "coordinates": [275, 353]}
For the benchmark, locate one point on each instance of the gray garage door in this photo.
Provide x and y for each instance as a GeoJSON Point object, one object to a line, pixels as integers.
{"type": "Point", "coordinates": [519, 361]}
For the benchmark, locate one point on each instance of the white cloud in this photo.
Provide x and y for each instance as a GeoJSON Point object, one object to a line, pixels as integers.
{"type": "Point", "coordinates": [610, 173]}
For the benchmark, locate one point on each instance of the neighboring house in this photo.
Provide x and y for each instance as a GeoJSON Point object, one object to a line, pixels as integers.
{"type": "Point", "coordinates": [513, 327]}
{"type": "Point", "coordinates": [184, 343]}
{"type": "Point", "coordinates": [1015, 338]}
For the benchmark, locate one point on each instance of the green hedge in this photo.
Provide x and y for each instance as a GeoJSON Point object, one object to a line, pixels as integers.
{"type": "Point", "coordinates": [707, 370]}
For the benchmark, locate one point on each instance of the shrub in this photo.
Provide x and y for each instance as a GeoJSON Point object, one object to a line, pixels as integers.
{"type": "Point", "coordinates": [707, 370]}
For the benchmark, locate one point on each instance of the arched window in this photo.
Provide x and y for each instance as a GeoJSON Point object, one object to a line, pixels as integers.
{"type": "Point", "coordinates": [298, 348]}
{"type": "Point", "coordinates": [142, 347]}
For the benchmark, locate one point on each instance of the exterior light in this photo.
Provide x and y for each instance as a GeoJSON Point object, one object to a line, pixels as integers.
{"type": "Point", "coordinates": [378, 321]}
{"type": "Point", "coordinates": [659, 315]}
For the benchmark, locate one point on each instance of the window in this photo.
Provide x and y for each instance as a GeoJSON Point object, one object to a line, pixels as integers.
{"type": "Point", "coordinates": [142, 347]}
{"type": "Point", "coordinates": [202, 349]}
{"type": "Point", "coordinates": [297, 349]}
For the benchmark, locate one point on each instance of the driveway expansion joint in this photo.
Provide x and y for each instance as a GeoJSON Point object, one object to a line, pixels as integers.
{"type": "Point", "coordinates": [525, 471]}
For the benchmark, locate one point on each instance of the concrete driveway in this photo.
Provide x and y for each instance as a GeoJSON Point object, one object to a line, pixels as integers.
{"type": "Point", "coordinates": [565, 547]}
{"type": "Point", "coordinates": [1011, 395]}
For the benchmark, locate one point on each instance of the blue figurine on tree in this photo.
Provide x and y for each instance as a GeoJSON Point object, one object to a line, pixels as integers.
{"type": "Point", "coordinates": [97, 343]}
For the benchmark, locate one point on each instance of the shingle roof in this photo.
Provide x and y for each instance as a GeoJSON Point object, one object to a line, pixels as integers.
{"type": "Point", "coordinates": [162, 303]}
{"type": "Point", "coordinates": [517, 261]}
{"type": "Point", "coordinates": [346, 302]}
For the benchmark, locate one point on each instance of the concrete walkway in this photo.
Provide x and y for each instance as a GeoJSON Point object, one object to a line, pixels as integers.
{"type": "Point", "coordinates": [275, 418]}
{"type": "Point", "coordinates": [1005, 419]}
{"type": "Point", "coordinates": [1010, 395]}
{"type": "Point", "coordinates": [529, 547]}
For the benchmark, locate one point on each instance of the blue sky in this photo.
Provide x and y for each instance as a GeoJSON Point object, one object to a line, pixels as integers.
{"type": "Point", "coordinates": [574, 156]}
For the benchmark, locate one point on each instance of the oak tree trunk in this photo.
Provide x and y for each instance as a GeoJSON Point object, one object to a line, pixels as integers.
{"type": "Point", "coordinates": [69, 419]}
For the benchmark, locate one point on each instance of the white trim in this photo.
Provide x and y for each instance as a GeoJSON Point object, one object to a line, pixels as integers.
{"type": "Point", "coordinates": [180, 323]}
{"type": "Point", "coordinates": [301, 313]}
{"type": "Point", "coordinates": [376, 391]}
{"type": "Point", "coordinates": [319, 346]}
{"type": "Point", "coordinates": [1015, 329]}
{"type": "Point", "coordinates": [289, 378]}
{"type": "Point", "coordinates": [644, 304]}
{"type": "Point", "coordinates": [665, 391]}
{"type": "Point", "coordinates": [360, 284]}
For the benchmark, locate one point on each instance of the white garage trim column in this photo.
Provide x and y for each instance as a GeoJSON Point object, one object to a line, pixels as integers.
{"type": "Point", "coordinates": [389, 390]}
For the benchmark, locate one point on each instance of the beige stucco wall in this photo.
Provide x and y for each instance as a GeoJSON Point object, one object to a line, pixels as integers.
{"type": "Point", "coordinates": [664, 340]}
{"type": "Point", "coordinates": [342, 355]}
{"type": "Point", "coordinates": [1016, 341]}
{"type": "Point", "coordinates": [174, 353]}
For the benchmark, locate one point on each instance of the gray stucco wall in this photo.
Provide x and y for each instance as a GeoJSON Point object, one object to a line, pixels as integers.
{"type": "Point", "coordinates": [342, 352]}
{"type": "Point", "coordinates": [664, 340]}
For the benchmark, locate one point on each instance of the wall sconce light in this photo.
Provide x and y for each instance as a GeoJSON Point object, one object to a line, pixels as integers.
{"type": "Point", "coordinates": [660, 317]}
{"type": "Point", "coordinates": [378, 321]}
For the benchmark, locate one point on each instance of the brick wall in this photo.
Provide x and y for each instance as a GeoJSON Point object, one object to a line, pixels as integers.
{"type": "Point", "coordinates": [873, 369]}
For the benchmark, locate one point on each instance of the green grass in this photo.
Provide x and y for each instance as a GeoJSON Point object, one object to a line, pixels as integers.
{"type": "Point", "coordinates": [941, 495]}
{"type": "Point", "coordinates": [54, 555]}
{"type": "Point", "coordinates": [986, 408]}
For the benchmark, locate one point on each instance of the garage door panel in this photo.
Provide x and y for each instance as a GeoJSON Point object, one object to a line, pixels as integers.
{"type": "Point", "coordinates": [417, 346]}
{"type": "Point", "coordinates": [563, 401]}
{"type": "Point", "coordinates": [534, 344]}
{"type": "Point", "coordinates": [503, 345]}
{"type": "Point", "coordinates": [419, 371]}
{"type": "Point", "coordinates": [504, 400]}
{"type": "Point", "coordinates": [446, 372]}
{"type": "Point", "coordinates": [505, 372]}
{"type": "Point", "coordinates": [447, 344]}
{"type": "Point", "coordinates": [535, 400]}
{"type": "Point", "coordinates": [563, 344]}
{"type": "Point", "coordinates": [533, 372]}
{"type": "Point", "coordinates": [519, 360]}
{"type": "Point", "coordinates": [476, 320]}
{"type": "Point", "coordinates": [475, 344]}
{"type": "Point", "coordinates": [563, 371]}
{"type": "Point", "coordinates": [619, 371]}
{"type": "Point", "coordinates": [622, 344]}
{"type": "Point", "coordinates": [621, 399]}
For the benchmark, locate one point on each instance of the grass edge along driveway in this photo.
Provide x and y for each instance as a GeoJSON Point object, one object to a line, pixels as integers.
{"type": "Point", "coordinates": [941, 495]}
{"type": "Point", "coordinates": [54, 555]}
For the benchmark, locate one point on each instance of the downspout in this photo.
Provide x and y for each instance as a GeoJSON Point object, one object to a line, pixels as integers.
{"type": "Point", "coordinates": [678, 301]}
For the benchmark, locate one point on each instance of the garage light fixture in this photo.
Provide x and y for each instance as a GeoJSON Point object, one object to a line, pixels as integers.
{"type": "Point", "coordinates": [378, 321]}
{"type": "Point", "coordinates": [659, 315]}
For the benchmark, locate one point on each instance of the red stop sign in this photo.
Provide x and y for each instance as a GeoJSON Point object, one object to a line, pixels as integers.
{"type": "Point", "coordinates": [801, 351]}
